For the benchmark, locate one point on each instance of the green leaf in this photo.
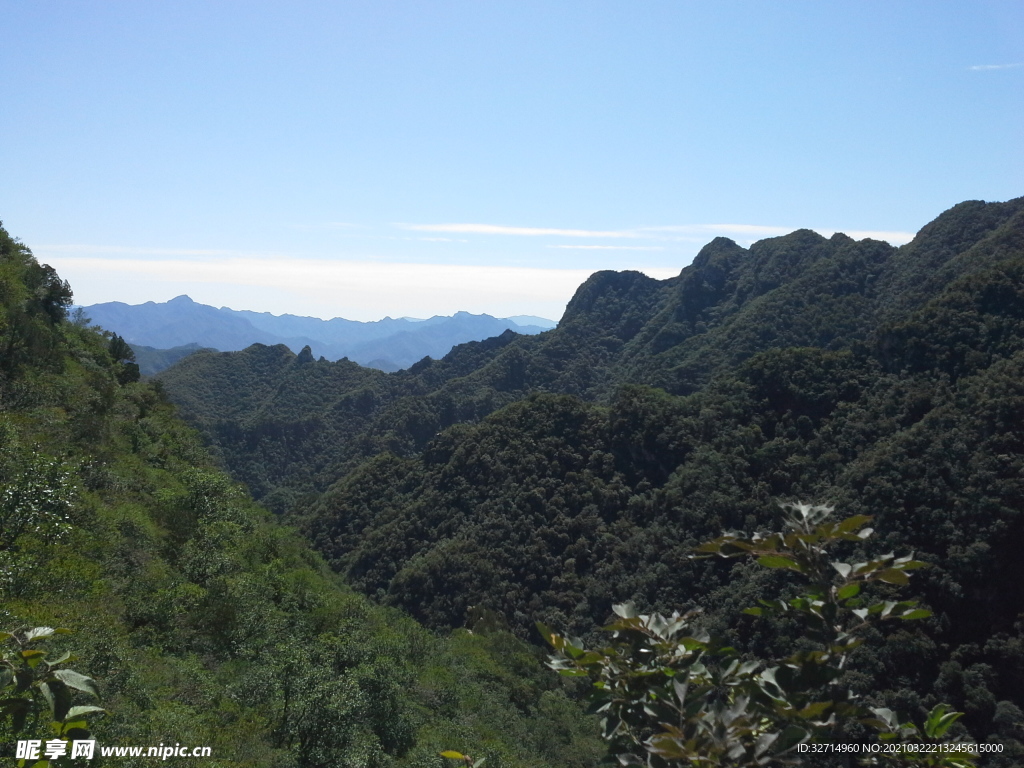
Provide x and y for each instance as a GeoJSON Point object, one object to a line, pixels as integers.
{"type": "Point", "coordinates": [13, 704]}
{"type": "Point", "coordinates": [76, 734]}
{"type": "Point", "coordinates": [917, 613]}
{"type": "Point", "coordinates": [887, 717]}
{"type": "Point", "coordinates": [882, 609]}
{"type": "Point", "coordinates": [764, 741]}
{"type": "Point", "coordinates": [23, 679]}
{"type": "Point", "coordinates": [626, 610]}
{"type": "Point", "coordinates": [850, 590]}
{"type": "Point", "coordinates": [78, 711]}
{"type": "Point", "coordinates": [453, 754]}
{"type": "Point", "coordinates": [71, 725]}
{"type": "Point", "coordinates": [911, 565]}
{"type": "Point", "coordinates": [790, 737]}
{"type": "Point", "coordinates": [851, 523]}
{"type": "Point", "coordinates": [893, 576]}
{"type": "Point", "coordinates": [77, 681]}
{"type": "Point", "coordinates": [63, 657]}
{"type": "Point", "coordinates": [908, 563]}
{"type": "Point", "coordinates": [546, 632]}
{"type": "Point", "coordinates": [939, 721]}
{"type": "Point", "coordinates": [753, 611]}
{"type": "Point", "coordinates": [572, 673]}
{"type": "Point", "coordinates": [843, 568]}
{"type": "Point", "coordinates": [815, 709]}
{"type": "Point", "coordinates": [680, 690]}
{"type": "Point", "coordinates": [60, 699]}
{"type": "Point", "coordinates": [44, 688]}
{"type": "Point", "coordinates": [38, 633]}
{"type": "Point", "coordinates": [776, 561]}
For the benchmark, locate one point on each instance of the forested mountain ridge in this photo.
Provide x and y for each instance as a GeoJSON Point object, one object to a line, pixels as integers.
{"type": "Point", "coordinates": [546, 477]}
{"type": "Point", "coordinates": [152, 360]}
{"type": "Point", "coordinates": [797, 290]}
{"type": "Point", "coordinates": [203, 620]}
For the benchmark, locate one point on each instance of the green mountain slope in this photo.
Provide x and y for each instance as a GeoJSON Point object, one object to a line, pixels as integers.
{"type": "Point", "coordinates": [152, 360]}
{"type": "Point", "coordinates": [205, 622]}
{"type": "Point", "coordinates": [549, 476]}
{"type": "Point", "coordinates": [797, 290]}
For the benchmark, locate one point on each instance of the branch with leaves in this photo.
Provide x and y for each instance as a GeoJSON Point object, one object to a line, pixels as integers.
{"type": "Point", "coordinates": [33, 686]}
{"type": "Point", "coordinates": [670, 694]}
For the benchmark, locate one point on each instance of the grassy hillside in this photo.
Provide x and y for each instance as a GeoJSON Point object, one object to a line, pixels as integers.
{"type": "Point", "coordinates": [204, 621]}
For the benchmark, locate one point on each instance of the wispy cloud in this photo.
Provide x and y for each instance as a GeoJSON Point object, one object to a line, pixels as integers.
{"type": "Point", "coordinates": [610, 247]}
{"type": "Point", "coordinates": [127, 250]}
{"type": "Point", "coordinates": [498, 229]}
{"type": "Point", "coordinates": [744, 230]}
{"type": "Point", "coordinates": [751, 232]}
{"type": "Point", "coordinates": [987, 67]}
{"type": "Point", "coordinates": [358, 290]}
{"type": "Point", "coordinates": [694, 233]}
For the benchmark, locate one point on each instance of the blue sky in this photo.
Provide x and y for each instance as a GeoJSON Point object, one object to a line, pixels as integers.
{"type": "Point", "coordinates": [362, 159]}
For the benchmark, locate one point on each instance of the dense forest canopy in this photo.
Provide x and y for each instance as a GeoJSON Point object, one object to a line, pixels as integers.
{"type": "Point", "coordinates": [548, 477]}
{"type": "Point", "coordinates": [204, 621]}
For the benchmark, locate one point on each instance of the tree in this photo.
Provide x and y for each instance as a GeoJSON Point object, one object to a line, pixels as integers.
{"type": "Point", "coordinates": [37, 497]}
{"type": "Point", "coordinates": [127, 370]}
{"type": "Point", "coordinates": [33, 303]}
{"type": "Point", "coordinates": [670, 694]}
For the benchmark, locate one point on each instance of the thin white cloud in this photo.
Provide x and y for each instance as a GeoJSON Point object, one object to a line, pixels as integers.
{"type": "Point", "coordinates": [750, 232]}
{"type": "Point", "coordinates": [497, 229]}
{"type": "Point", "coordinates": [357, 290]}
{"type": "Point", "coordinates": [133, 251]}
{"type": "Point", "coordinates": [987, 67]}
{"type": "Point", "coordinates": [609, 247]}
{"type": "Point", "coordinates": [746, 233]}
{"type": "Point", "coordinates": [745, 230]}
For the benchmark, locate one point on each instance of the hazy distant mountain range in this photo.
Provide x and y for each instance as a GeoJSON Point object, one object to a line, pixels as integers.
{"type": "Point", "coordinates": [161, 333]}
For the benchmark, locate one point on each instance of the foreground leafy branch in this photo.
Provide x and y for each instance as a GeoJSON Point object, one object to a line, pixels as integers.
{"type": "Point", "coordinates": [33, 687]}
{"type": "Point", "coordinates": [670, 694]}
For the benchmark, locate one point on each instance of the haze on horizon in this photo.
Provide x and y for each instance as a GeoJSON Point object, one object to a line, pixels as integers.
{"type": "Point", "coordinates": [362, 160]}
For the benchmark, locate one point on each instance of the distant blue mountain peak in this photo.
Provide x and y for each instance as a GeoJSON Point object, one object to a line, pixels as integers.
{"type": "Point", "coordinates": [390, 344]}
